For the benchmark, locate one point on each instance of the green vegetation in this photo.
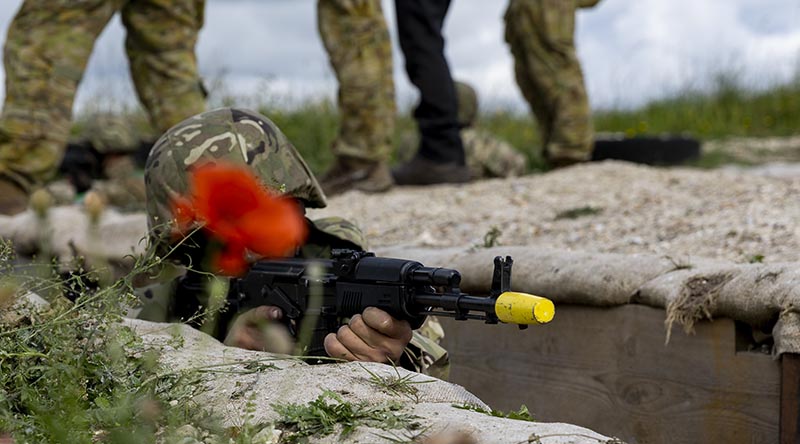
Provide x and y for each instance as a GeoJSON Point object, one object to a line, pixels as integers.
{"type": "Point", "coordinates": [522, 414]}
{"type": "Point", "coordinates": [70, 372]}
{"type": "Point", "coordinates": [574, 213]}
{"type": "Point", "coordinates": [396, 384]}
{"type": "Point", "coordinates": [729, 109]}
{"type": "Point", "coordinates": [322, 415]}
{"type": "Point", "coordinates": [311, 128]}
{"type": "Point", "coordinates": [490, 239]}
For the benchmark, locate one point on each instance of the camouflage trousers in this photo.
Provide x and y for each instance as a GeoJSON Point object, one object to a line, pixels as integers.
{"type": "Point", "coordinates": [46, 51]}
{"type": "Point", "coordinates": [357, 40]}
{"type": "Point", "coordinates": [541, 36]}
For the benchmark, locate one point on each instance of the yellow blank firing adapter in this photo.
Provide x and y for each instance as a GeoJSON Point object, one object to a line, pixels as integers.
{"type": "Point", "coordinates": [512, 307]}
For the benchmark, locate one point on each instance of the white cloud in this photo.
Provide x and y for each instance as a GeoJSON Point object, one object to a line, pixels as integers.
{"type": "Point", "coordinates": [635, 51]}
{"type": "Point", "coordinates": [632, 51]}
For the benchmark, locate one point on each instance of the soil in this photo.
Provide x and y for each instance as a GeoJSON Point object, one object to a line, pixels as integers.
{"type": "Point", "coordinates": [742, 214]}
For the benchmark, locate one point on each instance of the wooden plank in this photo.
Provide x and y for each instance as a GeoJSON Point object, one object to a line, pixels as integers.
{"type": "Point", "coordinates": [790, 399]}
{"type": "Point", "coordinates": [609, 370]}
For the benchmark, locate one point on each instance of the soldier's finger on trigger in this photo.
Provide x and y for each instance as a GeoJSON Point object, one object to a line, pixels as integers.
{"type": "Point", "coordinates": [384, 323]}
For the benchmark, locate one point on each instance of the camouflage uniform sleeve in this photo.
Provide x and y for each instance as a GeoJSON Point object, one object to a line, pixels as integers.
{"type": "Point", "coordinates": [424, 354]}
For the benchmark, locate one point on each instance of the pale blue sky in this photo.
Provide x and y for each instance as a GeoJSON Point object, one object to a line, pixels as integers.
{"type": "Point", "coordinates": [632, 50]}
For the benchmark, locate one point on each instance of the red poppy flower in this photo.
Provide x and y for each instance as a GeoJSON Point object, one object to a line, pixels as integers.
{"type": "Point", "coordinates": [235, 209]}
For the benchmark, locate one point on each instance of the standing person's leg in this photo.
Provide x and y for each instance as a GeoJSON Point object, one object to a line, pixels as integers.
{"type": "Point", "coordinates": [162, 35]}
{"type": "Point", "coordinates": [357, 40]}
{"type": "Point", "coordinates": [441, 152]}
{"type": "Point", "coordinates": [541, 36]}
{"type": "Point", "coordinates": [46, 51]}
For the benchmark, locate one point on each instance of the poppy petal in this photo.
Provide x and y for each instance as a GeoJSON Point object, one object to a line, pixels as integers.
{"type": "Point", "coordinates": [184, 214]}
{"type": "Point", "coordinates": [231, 261]}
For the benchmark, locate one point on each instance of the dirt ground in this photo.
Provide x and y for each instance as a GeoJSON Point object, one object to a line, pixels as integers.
{"type": "Point", "coordinates": [741, 214]}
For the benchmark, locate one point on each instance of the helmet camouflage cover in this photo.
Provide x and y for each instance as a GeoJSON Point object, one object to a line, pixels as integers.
{"type": "Point", "coordinates": [237, 136]}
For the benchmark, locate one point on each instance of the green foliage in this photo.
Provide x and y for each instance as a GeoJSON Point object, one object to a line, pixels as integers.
{"type": "Point", "coordinates": [728, 110]}
{"type": "Point", "coordinates": [574, 213]}
{"type": "Point", "coordinates": [71, 372]}
{"type": "Point", "coordinates": [518, 129]}
{"type": "Point", "coordinates": [311, 127]}
{"type": "Point", "coordinates": [322, 415]}
{"type": "Point", "coordinates": [756, 259]}
{"type": "Point", "coordinates": [491, 236]}
{"type": "Point", "coordinates": [396, 384]}
{"type": "Point", "coordinates": [522, 414]}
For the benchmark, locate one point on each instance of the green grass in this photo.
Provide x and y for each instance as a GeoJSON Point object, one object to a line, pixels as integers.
{"type": "Point", "coordinates": [574, 213]}
{"type": "Point", "coordinates": [397, 385]}
{"type": "Point", "coordinates": [71, 373]}
{"type": "Point", "coordinates": [521, 415]}
{"type": "Point", "coordinates": [729, 109]}
{"type": "Point", "coordinates": [311, 128]}
{"type": "Point", "coordinates": [323, 415]}
{"type": "Point", "coordinates": [518, 129]}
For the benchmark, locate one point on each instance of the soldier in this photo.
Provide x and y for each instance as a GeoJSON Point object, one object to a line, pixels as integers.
{"type": "Point", "coordinates": [357, 40]}
{"type": "Point", "coordinates": [440, 158]}
{"type": "Point", "coordinates": [246, 138]}
{"type": "Point", "coordinates": [46, 51]}
{"type": "Point", "coordinates": [541, 36]}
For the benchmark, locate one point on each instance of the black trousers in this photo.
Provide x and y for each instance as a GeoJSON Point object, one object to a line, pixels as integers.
{"type": "Point", "coordinates": [419, 26]}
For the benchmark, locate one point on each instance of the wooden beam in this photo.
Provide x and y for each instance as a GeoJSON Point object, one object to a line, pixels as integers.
{"type": "Point", "coordinates": [790, 399]}
{"type": "Point", "coordinates": [609, 370]}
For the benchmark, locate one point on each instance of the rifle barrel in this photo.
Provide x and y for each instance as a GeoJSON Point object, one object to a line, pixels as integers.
{"type": "Point", "coordinates": [510, 307]}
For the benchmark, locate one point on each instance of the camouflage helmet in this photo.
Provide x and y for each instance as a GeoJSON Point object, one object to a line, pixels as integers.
{"type": "Point", "coordinates": [467, 104]}
{"type": "Point", "coordinates": [238, 136]}
{"type": "Point", "coordinates": [342, 229]}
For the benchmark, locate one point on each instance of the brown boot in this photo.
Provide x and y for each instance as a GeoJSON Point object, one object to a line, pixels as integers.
{"type": "Point", "coordinates": [350, 173]}
{"type": "Point", "coordinates": [13, 199]}
{"type": "Point", "coordinates": [421, 171]}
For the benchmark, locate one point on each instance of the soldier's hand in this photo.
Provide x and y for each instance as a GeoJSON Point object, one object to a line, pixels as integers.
{"type": "Point", "coordinates": [259, 329]}
{"type": "Point", "coordinates": [372, 336]}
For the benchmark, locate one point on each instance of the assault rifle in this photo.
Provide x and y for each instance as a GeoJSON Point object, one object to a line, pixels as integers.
{"type": "Point", "coordinates": [325, 291]}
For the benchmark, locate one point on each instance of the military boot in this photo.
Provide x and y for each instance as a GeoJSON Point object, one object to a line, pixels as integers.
{"type": "Point", "coordinates": [351, 173]}
{"type": "Point", "coordinates": [421, 171]}
{"type": "Point", "coordinates": [13, 199]}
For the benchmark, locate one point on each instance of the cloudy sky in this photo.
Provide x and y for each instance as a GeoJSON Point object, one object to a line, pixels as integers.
{"type": "Point", "coordinates": [632, 50]}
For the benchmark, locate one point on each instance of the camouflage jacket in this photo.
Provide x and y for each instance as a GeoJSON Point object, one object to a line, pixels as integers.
{"type": "Point", "coordinates": [423, 354]}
